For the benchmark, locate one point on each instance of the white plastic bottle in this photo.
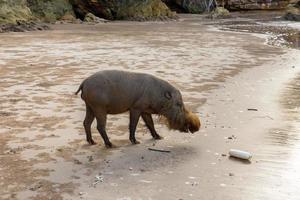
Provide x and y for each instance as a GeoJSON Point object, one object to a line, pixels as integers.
{"type": "Point", "coordinates": [240, 154]}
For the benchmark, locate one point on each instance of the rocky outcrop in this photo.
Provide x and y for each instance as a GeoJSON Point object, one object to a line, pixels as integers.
{"type": "Point", "coordinates": [12, 11]}
{"type": "Point", "coordinates": [293, 12]}
{"type": "Point", "coordinates": [199, 6]}
{"type": "Point", "coordinates": [191, 6]}
{"type": "Point", "coordinates": [219, 13]}
{"type": "Point", "coordinates": [255, 4]}
{"type": "Point", "coordinates": [120, 9]}
{"type": "Point", "coordinates": [144, 10]}
{"type": "Point", "coordinates": [50, 10]}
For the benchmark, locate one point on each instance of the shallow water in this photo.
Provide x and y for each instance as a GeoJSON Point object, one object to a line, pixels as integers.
{"type": "Point", "coordinates": [284, 23]}
{"type": "Point", "coordinates": [41, 119]}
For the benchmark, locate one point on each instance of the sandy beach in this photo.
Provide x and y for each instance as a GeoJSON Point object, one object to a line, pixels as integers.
{"type": "Point", "coordinates": [221, 75]}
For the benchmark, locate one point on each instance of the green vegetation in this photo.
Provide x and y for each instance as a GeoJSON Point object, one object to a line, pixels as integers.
{"type": "Point", "coordinates": [12, 11]}
{"type": "Point", "coordinates": [50, 10]}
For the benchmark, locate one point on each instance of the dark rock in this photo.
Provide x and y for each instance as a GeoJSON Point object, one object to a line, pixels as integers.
{"type": "Point", "coordinates": [292, 14]}
{"type": "Point", "coordinates": [23, 26]}
{"type": "Point", "coordinates": [255, 4]}
{"type": "Point", "coordinates": [200, 6]}
{"type": "Point", "coordinates": [191, 6]}
{"type": "Point", "coordinates": [76, 161]}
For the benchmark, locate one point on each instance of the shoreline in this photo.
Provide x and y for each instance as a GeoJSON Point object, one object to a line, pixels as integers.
{"type": "Point", "coordinates": [281, 32]}
{"type": "Point", "coordinates": [263, 133]}
{"type": "Point", "coordinates": [195, 166]}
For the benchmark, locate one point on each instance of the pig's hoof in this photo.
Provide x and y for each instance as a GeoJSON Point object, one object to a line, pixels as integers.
{"type": "Point", "coordinates": [91, 142]}
{"type": "Point", "coordinates": [158, 137]}
{"type": "Point", "coordinates": [134, 141]}
{"type": "Point", "coordinates": [109, 145]}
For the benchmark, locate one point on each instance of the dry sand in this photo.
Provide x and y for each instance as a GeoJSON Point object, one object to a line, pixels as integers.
{"type": "Point", "coordinates": [43, 150]}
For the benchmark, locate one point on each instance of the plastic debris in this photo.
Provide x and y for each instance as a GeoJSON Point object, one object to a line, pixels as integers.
{"type": "Point", "coordinates": [98, 179]}
{"type": "Point", "coordinates": [240, 154]}
{"type": "Point", "coordinates": [145, 181]}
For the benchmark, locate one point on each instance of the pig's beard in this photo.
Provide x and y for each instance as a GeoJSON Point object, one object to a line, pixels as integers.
{"type": "Point", "coordinates": [183, 121]}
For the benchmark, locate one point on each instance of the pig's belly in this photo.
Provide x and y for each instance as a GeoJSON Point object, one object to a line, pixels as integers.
{"type": "Point", "coordinates": [116, 106]}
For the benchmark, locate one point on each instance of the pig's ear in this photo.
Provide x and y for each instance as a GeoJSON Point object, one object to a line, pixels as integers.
{"type": "Point", "coordinates": [168, 95]}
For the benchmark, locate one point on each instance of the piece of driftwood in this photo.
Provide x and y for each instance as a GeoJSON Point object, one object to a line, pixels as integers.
{"type": "Point", "coordinates": [159, 150]}
{"type": "Point", "coordinates": [252, 109]}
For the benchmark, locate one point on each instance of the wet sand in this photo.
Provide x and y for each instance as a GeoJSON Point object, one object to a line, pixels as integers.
{"type": "Point", "coordinates": [221, 74]}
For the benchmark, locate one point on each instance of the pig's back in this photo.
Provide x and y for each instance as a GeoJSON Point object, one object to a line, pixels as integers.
{"type": "Point", "coordinates": [114, 90]}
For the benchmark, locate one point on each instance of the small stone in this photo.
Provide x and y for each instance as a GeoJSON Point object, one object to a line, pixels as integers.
{"type": "Point", "coordinates": [91, 18]}
{"type": "Point", "coordinates": [77, 162]}
{"type": "Point", "coordinates": [195, 183]}
{"type": "Point", "coordinates": [231, 174]}
{"type": "Point", "coordinates": [75, 177]}
{"type": "Point", "coordinates": [11, 151]}
{"type": "Point", "coordinates": [36, 187]}
{"type": "Point", "coordinates": [90, 158]}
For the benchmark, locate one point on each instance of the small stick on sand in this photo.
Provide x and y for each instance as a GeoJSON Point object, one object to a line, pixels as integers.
{"type": "Point", "coordinates": [252, 109]}
{"type": "Point", "coordinates": [159, 150]}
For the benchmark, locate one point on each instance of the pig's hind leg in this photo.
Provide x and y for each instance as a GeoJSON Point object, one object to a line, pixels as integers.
{"type": "Point", "coordinates": [89, 118]}
{"type": "Point", "coordinates": [150, 125]}
{"type": "Point", "coordinates": [101, 126]}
